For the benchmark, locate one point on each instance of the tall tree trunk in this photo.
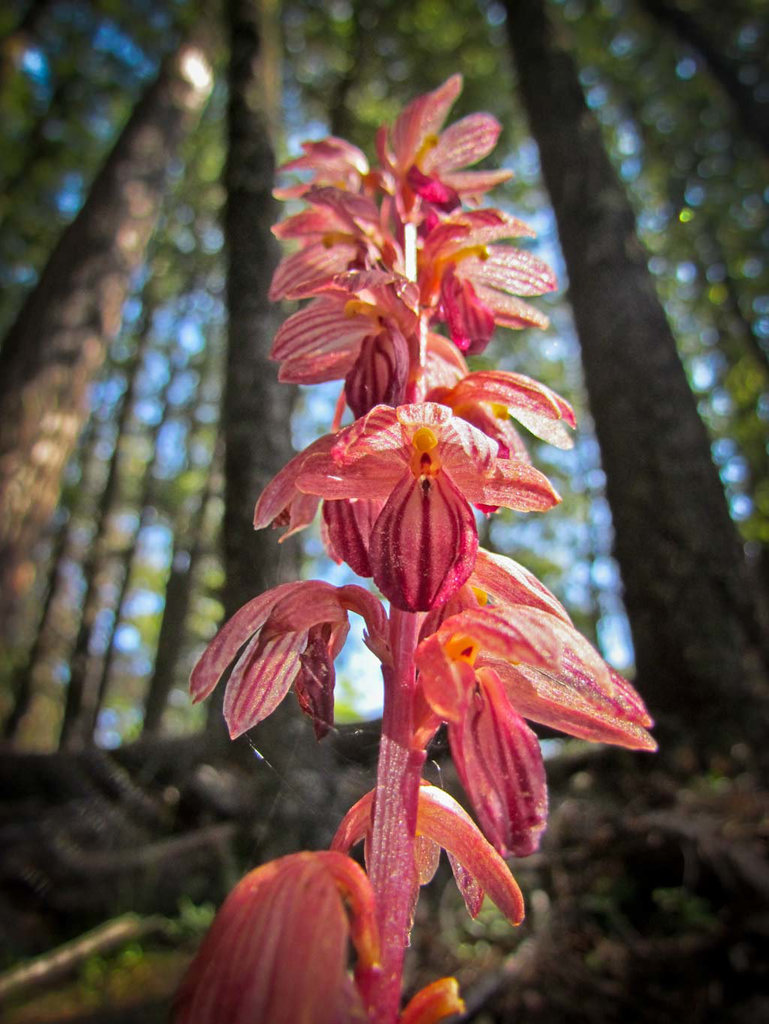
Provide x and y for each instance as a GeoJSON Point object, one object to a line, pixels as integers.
{"type": "Point", "coordinates": [58, 340]}
{"type": "Point", "coordinates": [188, 547]}
{"type": "Point", "coordinates": [90, 675]}
{"type": "Point", "coordinates": [256, 430]}
{"type": "Point", "coordinates": [682, 565]}
{"type": "Point", "coordinates": [752, 113]}
{"type": "Point", "coordinates": [256, 410]}
{"type": "Point", "coordinates": [95, 562]}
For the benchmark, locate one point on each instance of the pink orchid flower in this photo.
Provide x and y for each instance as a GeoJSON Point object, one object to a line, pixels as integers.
{"type": "Point", "coordinates": [428, 467]}
{"type": "Point", "coordinates": [331, 337]}
{"type": "Point", "coordinates": [444, 824]}
{"type": "Point", "coordinates": [292, 634]}
{"type": "Point", "coordinates": [485, 669]}
{"type": "Point", "coordinates": [277, 951]}
{"type": "Point", "coordinates": [471, 283]}
{"type": "Point", "coordinates": [421, 162]}
{"type": "Point", "coordinates": [341, 232]}
{"type": "Point", "coordinates": [488, 398]}
{"type": "Point", "coordinates": [330, 161]}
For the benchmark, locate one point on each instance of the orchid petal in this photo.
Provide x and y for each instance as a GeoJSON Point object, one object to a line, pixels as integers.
{"type": "Point", "coordinates": [446, 683]}
{"type": "Point", "coordinates": [260, 680]}
{"type": "Point", "coordinates": [509, 310]}
{"type": "Point", "coordinates": [361, 601]}
{"type": "Point", "coordinates": [281, 491]}
{"type": "Point", "coordinates": [469, 887]}
{"type": "Point", "coordinates": [513, 484]}
{"type": "Point", "coordinates": [529, 635]}
{"type": "Point", "coordinates": [471, 185]}
{"type": "Point", "coordinates": [314, 683]}
{"type": "Point", "coordinates": [470, 323]}
{"type": "Point", "coordinates": [442, 819]}
{"type": "Point", "coordinates": [306, 271]}
{"type": "Point", "coordinates": [348, 525]}
{"type": "Point", "coordinates": [221, 651]}
{"type": "Point", "coordinates": [445, 365]}
{"type": "Point", "coordinates": [432, 190]}
{"type": "Point", "coordinates": [320, 342]}
{"type": "Point", "coordinates": [424, 116]}
{"type": "Point", "coordinates": [434, 1003]}
{"type": "Point", "coordinates": [510, 583]}
{"type": "Point", "coordinates": [463, 143]}
{"type": "Point", "coordinates": [423, 543]}
{"type": "Point", "coordinates": [351, 208]}
{"type": "Point", "coordinates": [567, 699]}
{"type": "Point", "coordinates": [511, 270]}
{"type": "Point", "coordinates": [245, 968]}
{"type": "Point", "coordinates": [500, 766]}
{"type": "Point", "coordinates": [380, 372]}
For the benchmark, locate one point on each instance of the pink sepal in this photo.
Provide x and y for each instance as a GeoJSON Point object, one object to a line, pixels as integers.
{"type": "Point", "coordinates": [434, 1003]}
{"type": "Point", "coordinates": [347, 531]}
{"type": "Point", "coordinates": [567, 698]}
{"type": "Point", "coordinates": [304, 908]}
{"type": "Point", "coordinates": [539, 409]}
{"type": "Point", "coordinates": [500, 766]}
{"type": "Point", "coordinates": [509, 583]}
{"type": "Point", "coordinates": [291, 634]}
{"type": "Point", "coordinates": [445, 822]}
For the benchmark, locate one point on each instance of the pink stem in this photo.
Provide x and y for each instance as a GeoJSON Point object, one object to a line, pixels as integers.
{"type": "Point", "coordinates": [390, 856]}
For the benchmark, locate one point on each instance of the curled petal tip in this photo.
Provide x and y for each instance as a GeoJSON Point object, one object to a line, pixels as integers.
{"type": "Point", "coordinates": [434, 1003]}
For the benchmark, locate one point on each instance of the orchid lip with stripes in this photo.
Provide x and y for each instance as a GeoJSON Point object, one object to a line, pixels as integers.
{"type": "Point", "coordinates": [429, 467]}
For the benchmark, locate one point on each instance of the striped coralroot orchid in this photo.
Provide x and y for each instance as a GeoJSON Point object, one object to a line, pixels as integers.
{"type": "Point", "coordinates": [401, 281]}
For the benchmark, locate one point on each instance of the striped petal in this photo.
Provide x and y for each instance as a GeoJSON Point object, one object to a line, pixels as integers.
{"type": "Point", "coordinates": [348, 525]}
{"type": "Point", "coordinates": [287, 912]}
{"type": "Point", "coordinates": [441, 819]}
{"type": "Point", "coordinates": [500, 766]}
{"type": "Point", "coordinates": [511, 270]}
{"type": "Point", "coordinates": [320, 342]}
{"type": "Point", "coordinates": [423, 543]}
{"type": "Point", "coordinates": [305, 272]}
{"type": "Point", "coordinates": [261, 678]}
{"type": "Point", "coordinates": [463, 143]}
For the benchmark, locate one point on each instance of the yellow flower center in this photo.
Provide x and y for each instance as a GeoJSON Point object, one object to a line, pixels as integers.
{"type": "Point", "coordinates": [424, 440]}
{"type": "Point", "coordinates": [480, 596]}
{"type": "Point", "coordinates": [356, 307]}
{"type": "Point", "coordinates": [462, 648]}
{"type": "Point", "coordinates": [431, 141]}
{"type": "Point", "coordinates": [425, 463]}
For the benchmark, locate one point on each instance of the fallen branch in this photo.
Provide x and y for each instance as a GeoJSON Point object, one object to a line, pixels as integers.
{"type": "Point", "coordinates": [58, 963]}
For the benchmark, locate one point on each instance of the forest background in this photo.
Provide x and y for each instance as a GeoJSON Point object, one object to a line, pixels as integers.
{"type": "Point", "coordinates": [139, 419]}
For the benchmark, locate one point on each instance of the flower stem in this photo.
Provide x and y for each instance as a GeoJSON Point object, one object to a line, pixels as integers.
{"type": "Point", "coordinates": [391, 851]}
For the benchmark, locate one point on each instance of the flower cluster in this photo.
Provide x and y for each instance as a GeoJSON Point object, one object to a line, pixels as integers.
{"type": "Point", "coordinates": [405, 272]}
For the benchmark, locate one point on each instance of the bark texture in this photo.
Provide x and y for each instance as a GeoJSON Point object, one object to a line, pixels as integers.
{"type": "Point", "coordinates": [682, 565]}
{"type": "Point", "coordinates": [59, 337]}
{"type": "Point", "coordinates": [257, 410]}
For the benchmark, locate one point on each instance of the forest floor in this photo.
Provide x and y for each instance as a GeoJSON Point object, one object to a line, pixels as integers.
{"type": "Point", "coordinates": [648, 902]}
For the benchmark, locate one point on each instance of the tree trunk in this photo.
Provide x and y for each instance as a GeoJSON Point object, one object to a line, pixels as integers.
{"type": "Point", "coordinates": [89, 678]}
{"type": "Point", "coordinates": [94, 563]}
{"type": "Point", "coordinates": [683, 569]}
{"type": "Point", "coordinates": [188, 548]}
{"type": "Point", "coordinates": [256, 410]}
{"type": "Point", "coordinates": [752, 113]}
{"type": "Point", "coordinates": [59, 338]}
